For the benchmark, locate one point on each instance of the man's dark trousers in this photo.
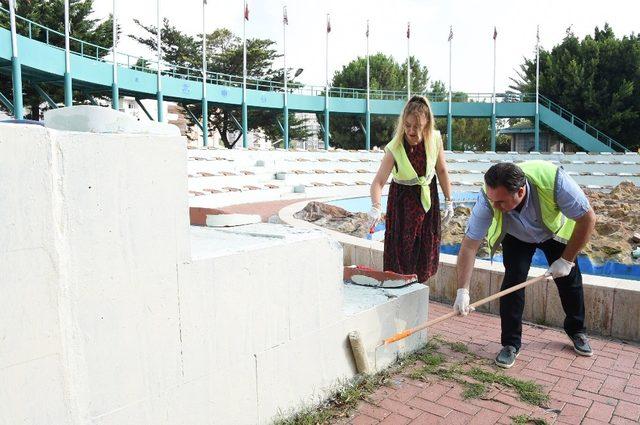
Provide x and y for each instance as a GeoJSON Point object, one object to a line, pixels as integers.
{"type": "Point", "coordinates": [517, 257]}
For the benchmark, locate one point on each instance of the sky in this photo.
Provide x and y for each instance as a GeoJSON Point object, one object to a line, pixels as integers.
{"type": "Point", "coordinates": [472, 21]}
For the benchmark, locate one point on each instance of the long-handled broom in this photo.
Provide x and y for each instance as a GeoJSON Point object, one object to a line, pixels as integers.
{"type": "Point", "coordinates": [357, 346]}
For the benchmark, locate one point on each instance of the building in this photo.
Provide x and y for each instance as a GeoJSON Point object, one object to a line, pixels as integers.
{"type": "Point", "coordinates": [522, 135]}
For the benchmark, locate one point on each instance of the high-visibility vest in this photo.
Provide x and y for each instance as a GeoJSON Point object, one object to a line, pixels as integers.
{"type": "Point", "coordinates": [403, 172]}
{"type": "Point", "coordinates": [543, 178]}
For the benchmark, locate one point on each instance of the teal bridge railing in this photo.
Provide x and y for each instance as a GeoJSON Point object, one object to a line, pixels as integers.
{"type": "Point", "coordinates": [94, 64]}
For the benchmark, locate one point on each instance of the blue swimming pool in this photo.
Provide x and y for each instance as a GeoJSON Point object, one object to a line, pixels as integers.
{"type": "Point", "coordinates": [609, 268]}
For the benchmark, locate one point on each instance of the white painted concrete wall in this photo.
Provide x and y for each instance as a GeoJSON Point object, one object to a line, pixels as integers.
{"type": "Point", "coordinates": [113, 311]}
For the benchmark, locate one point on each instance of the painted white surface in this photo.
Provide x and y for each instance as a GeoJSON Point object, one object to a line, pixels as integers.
{"type": "Point", "coordinates": [114, 311]}
{"type": "Point", "coordinates": [97, 119]}
{"type": "Point", "coordinates": [307, 174]}
{"type": "Point", "coordinates": [230, 220]}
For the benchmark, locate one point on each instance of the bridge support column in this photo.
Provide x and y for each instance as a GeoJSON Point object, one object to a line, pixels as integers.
{"type": "Point", "coordinates": [449, 132]}
{"type": "Point", "coordinates": [160, 106]}
{"type": "Point", "coordinates": [286, 127]}
{"type": "Point", "coordinates": [245, 125]}
{"type": "Point", "coordinates": [326, 128]}
{"type": "Point", "coordinates": [205, 123]}
{"type": "Point", "coordinates": [115, 95]}
{"type": "Point", "coordinates": [536, 139]}
{"type": "Point", "coordinates": [68, 90]}
{"type": "Point", "coordinates": [493, 132]}
{"type": "Point", "coordinates": [367, 136]}
{"type": "Point", "coordinates": [16, 74]}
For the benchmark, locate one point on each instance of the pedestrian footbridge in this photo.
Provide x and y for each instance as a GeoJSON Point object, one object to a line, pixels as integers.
{"type": "Point", "coordinates": [39, 59]}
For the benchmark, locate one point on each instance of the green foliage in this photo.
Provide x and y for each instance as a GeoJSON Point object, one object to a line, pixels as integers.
{"type": "Point", "coordinates": [527, 419]}
{"type": "Point", "coordinates": [528, 391]}
{"type": "Point", "coordinates": [343, 399]}
{"type": "Point", "coordinates": [347, 131]}
{"type": "Point", "coordinates": [50, 13]}
{"type": "Point", "coordinates": [459, 347]}
{"type": "Point", "coordinates": [474, 390]}
{"type": "Point", "coordinates": [224, 55]}
{"type": "Point", "coordinates": [596, 78]}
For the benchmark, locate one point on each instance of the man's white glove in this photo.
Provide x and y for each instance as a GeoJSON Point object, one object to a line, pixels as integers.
{"type": "Point", "coordinates": [560, 268]}
{"type": "Point", "coordinates": [448, 212]}
{"type": "Point", "coordinates": [374, 216]}
{"type": "Point", "coordinates": [461, 305]}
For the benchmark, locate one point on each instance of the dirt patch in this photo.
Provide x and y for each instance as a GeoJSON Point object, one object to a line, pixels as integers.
{"type": "Point", "coordinates": [618, 218]}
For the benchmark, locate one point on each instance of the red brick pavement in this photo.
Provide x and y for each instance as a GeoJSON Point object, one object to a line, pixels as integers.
{"type": "Point", "coordinates": [601, 389]}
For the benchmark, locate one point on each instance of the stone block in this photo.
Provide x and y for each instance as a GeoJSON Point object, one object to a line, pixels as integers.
{"type": "Point", "coordinates": [626, 320]}
{"type": "Point", "coordinates": [130, 337]}
{"type": "Point", "coordinates": [34, 392]}
{"type": "Point", "coordinates": [599, 304]}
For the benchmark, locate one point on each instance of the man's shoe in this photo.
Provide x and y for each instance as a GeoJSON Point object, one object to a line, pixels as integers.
{"type": "Point", "coordinates": [507, 356]}
{"type": "Point", "coordinates": [581, 344]}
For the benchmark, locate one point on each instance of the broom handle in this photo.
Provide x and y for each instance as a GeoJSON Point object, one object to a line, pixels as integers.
{"type": "Point", "coordinates": [411, 331]}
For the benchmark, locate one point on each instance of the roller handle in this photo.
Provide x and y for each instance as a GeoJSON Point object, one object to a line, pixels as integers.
{"type": "Point", "coordinates": [411, 331]}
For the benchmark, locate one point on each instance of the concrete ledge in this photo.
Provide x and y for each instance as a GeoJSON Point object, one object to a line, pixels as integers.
{"type": "Point", "coordinates": [611, 304]}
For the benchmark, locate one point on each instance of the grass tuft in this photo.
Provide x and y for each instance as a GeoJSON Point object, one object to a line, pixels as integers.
{"type": "Point", "coordinates": [529, 391]}
{"type": "Point", "coordinates": [473, 390]}
{"type": "Point", "coordinates": [527, 419]}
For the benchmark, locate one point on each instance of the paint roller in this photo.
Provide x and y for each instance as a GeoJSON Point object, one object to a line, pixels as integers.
{"type": "Point", "coordinates": [357, 346]}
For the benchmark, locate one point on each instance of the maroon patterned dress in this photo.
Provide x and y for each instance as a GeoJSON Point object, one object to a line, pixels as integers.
{"type": "Point", "coordinates": [412, 235]}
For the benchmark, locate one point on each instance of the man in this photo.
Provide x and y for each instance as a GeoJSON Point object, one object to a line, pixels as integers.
{"type": "Point", "coordinates": [534, 205]}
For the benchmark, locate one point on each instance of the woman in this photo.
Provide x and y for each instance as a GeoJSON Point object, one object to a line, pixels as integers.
{"type": "Point", "coordinates": [414, 156]}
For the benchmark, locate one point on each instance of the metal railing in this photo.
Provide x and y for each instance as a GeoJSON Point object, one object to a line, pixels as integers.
{"type": "Point", "coordinates": [85, 49]}
{"type": "Point", "coordinates": [581, 124]}
{"type": "Point", "coordinates": [38, 32]}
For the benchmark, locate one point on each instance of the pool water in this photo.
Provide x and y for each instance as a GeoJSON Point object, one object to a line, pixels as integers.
{"type": "Point", "coordinates": [608, 269]}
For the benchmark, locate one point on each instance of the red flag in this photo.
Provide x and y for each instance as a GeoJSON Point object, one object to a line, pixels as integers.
{"type": "Point", "coordinates": [328, 24]}
{"type": "Point", "coordinates": [450, 33]}
{"type": "Point", "coordinates": [285, 19]}
{"type": "Point", "coordinates": [246, 11]}
{"type": "Point", "coordinates": [495, 33]}
{"type": "Point", "coordinates": [367, 29]}
{"type": "Point", "coordinates": [408, 29]}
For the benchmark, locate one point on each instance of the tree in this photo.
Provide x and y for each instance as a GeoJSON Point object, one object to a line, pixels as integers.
{"type": "Point", "coordinates": [347, 131]}
{"type": "Point", "coordinates": [224, 55]}
{"type": "Point", "coordinates": [597, 79]}
{"type": "Point", "coordinates": [50, 13]}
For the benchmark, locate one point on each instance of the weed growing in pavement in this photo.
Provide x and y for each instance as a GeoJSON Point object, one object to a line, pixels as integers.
{"type": "Point", "coordinates": [526, 419]}
{"type": "Point", "coordinates": [475, 381]}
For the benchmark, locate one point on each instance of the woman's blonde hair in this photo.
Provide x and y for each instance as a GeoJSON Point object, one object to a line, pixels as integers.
{"type": "Point", "coordinates": [416, 105]}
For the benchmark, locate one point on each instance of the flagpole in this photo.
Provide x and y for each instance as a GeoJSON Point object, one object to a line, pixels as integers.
{"type": "Point", "coordinates": [368, 111]}
{"type": "Point", "coordinates": [493, 97]}
{"type": "Point", "coordinates": [115, 95]}
{"type": "Point", "coordinates": [16, 68]}
{"type": "Point", "coordinates": [326, 91]}
{"type": "Point", "coordinates": [159, 54]}
{"type": "Point", "coordinates": [536, 146]}
{"type": "Point", "coordinates": [68, 96]}
{"type": "Point", "coordinates": [285, 22]}
{"type": "Point", "coordinates": [449, 110]}
{"type": "Point", "coordinates": [205, 104]}
{"type": "Point", "coordinates": [245, 142]}
{"type": "Point", "coordinates": [408, 61]}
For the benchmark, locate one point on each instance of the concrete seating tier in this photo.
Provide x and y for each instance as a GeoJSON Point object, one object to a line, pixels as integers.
{"type": "Point", "coordinates": [221, 177]}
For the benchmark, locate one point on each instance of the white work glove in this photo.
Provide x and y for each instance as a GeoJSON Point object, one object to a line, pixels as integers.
{"type": "Point", "coordinates": [448, 212]}
{"type": "Point", "coordinates": [461, 305]}
{"type": "Point", "coordinates": [560, 268]}
{"type": "Point", "coordinates": [374, 216]}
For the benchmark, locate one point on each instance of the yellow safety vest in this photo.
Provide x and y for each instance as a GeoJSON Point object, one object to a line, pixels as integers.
{"type": "Point", "coordinates": [542, 177]}
{"type": "Point", "coordinates": [403, 173]}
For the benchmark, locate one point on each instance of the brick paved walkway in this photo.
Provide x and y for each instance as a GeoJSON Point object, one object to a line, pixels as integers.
{"type": "Point", "coordinates": [601, 389]}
